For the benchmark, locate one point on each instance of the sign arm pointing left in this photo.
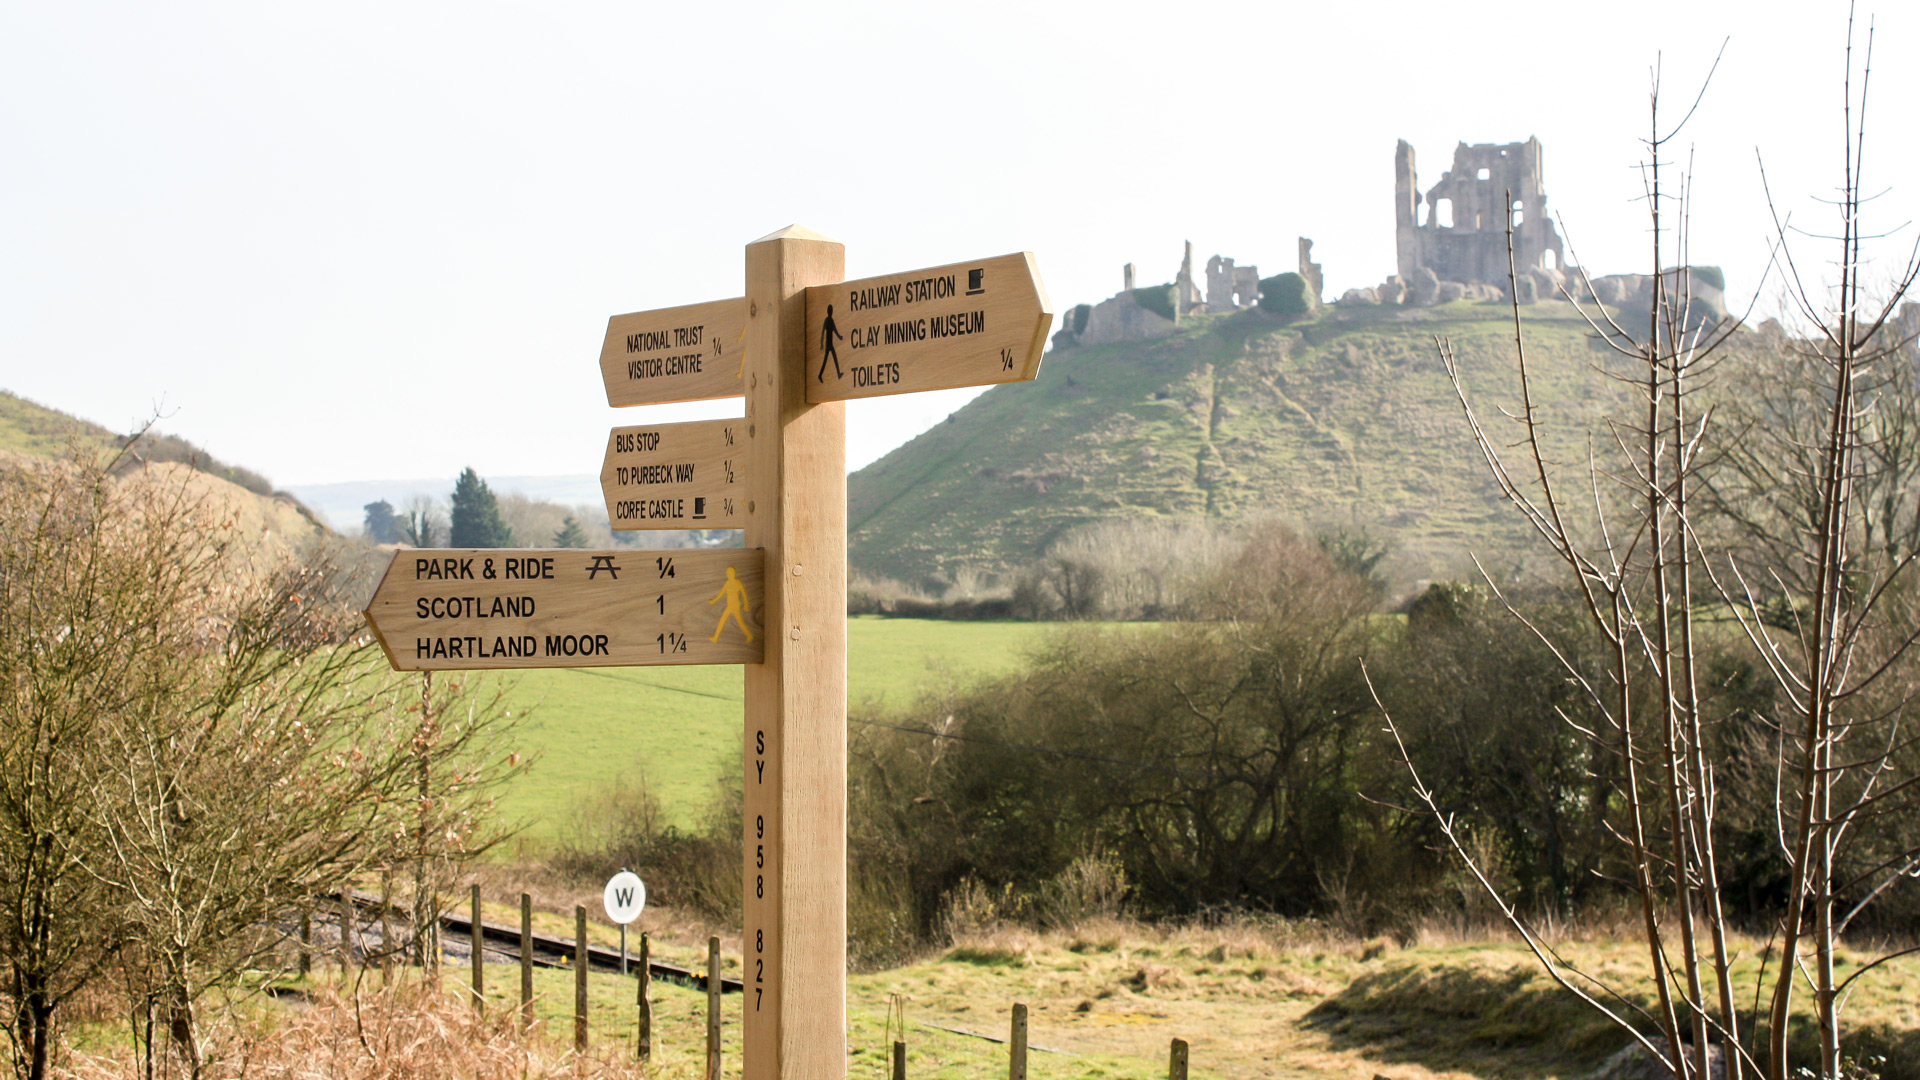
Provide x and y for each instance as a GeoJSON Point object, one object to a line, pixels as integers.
{"type": "Point", "coordinates": [442, 609]}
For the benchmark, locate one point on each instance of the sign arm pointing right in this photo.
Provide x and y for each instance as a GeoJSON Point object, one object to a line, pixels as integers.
{"type": "Point", "coordinates": [963, 324]}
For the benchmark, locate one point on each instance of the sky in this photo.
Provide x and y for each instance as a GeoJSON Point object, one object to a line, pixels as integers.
{"type": "Point", "coordinates": [354, 241]}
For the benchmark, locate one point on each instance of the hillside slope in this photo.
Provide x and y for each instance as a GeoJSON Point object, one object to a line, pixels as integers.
{"type": "Point", "coordinates": [1346, 420]}
{"type": "Point", "coordinates": [31, 430]}
{"type": "Point", "coordinates": [37, 431]}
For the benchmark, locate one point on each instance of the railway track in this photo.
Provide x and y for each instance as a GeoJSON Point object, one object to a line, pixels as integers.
{"type": "Point", "coordinates": [502, 939]}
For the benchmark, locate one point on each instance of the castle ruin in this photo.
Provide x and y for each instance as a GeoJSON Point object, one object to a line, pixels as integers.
{"type": "Point", "coordinates": [1126, 316]}
{"type": "Point", "coordinates": [1450, 244]}
{"type": "Point", "coordinates": [1460, 230]}
{"type": "Point", "coordinates": [1231, 287]}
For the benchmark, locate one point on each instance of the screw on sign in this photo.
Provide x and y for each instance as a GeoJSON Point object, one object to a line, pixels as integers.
{"type": "Point", "coordinates": [624, 898]}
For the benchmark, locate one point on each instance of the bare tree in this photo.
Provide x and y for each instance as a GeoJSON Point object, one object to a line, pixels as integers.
{"type": "Point", "coordinates": [1760, 491]}
{"type": "Point", "coordinates": [1833, 661]}
{"type": "Point", "coordinates": [82, 636]}
{"type": "Point", "coordinates": [424, 523]}
{"type": "Point", "coordinates": [1814, 577]}
{"type": "Point", "coordinates": [195, 741]}
{"type": "Point", "coordinates": [282, 765]}
{"type": "Point", "coordinates": [1136, 569]}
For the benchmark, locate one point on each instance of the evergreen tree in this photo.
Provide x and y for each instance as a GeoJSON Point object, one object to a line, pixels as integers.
{"type": "Point", "coordinates": [571, 535]}
{"type": "Point", "coordinates": [476, 516]}
{"type": "Point", "coordinates": [382, 526]}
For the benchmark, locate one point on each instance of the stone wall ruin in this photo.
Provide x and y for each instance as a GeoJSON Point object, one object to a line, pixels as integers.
{"type": "Point", "coordinates": [1187, 294]}
{"type": "Point", "coordinates": [1310, 270]}
{"type": "Point", "coordinates": [1459, 230]}
{"type": "Point", "coordinates": [1450, 244]}
{"type": "Point", "coordinates": [1230, 287]}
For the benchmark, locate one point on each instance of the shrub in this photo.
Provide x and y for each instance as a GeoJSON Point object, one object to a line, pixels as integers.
{"type": "Point", "coordinates": [1077, 318]}
{"type": "Point", "coordinates": [1287, 295]}
{"type": "Point", "coordinates": [619, 823]}
{"type": "Point", "coordinates": [1207, 763]}
{"type": "Point", "coordinates": [1157, 299]}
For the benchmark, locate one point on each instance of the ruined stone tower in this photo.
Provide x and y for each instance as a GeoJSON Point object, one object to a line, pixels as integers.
{"type": "Point", "coordinates": [1462, 236]}
{"type": "Point", "coordinates": [1188, 296]}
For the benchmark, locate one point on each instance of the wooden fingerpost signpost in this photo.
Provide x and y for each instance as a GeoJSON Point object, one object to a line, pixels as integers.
{"type": "Point", "coordinates": [800, 343]}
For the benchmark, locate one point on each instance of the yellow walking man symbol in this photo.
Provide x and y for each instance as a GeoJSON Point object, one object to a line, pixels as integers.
{"type": "Point", "coordinates": [735, 594]}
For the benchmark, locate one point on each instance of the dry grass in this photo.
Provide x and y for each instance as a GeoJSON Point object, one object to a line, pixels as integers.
{"type": "Point", "coordinates": [1255, 997]}
{"type": "Point", "coordinates": [401, 1033]}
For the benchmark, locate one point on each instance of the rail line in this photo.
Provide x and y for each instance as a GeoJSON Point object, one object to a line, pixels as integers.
{"type": "Point", "coordinates": [503, 939]}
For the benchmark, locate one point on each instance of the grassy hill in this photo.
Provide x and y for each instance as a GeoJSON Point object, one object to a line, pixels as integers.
{"type": "Point", "coordinates": [1343, 420]}
{"type": "Point", "coordinates": [37, 431]}
{"type": "Point", "coordinates": [34, 430]}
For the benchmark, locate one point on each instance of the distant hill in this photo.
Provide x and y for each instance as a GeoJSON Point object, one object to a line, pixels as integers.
{"type": "Point", "coordinates": [35, 430]}
{"type": "Point", "coordinates": [1345, 420]}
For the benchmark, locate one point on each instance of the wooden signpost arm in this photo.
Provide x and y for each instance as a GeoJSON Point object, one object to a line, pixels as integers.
{"type": "Point", "coordinates": [794, 945]}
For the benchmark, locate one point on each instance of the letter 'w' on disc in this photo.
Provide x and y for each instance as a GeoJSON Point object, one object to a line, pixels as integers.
{"type": "Point", "coordinates": [624, 897]}
{"type": "Point", "coordinates": [675, 354]}
{"type": "Point", "coordinates": [967, 324]}
{"type": "Point", "coordinates": [677, 476]}
{"type": "Point", "coordinates": [463, 609]}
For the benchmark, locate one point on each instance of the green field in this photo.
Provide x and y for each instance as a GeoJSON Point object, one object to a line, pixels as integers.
{"type": "Point", "coordinates": [681, 725]}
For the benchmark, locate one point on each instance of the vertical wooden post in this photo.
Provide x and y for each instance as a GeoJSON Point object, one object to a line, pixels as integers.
{"type": "Point", "coordinates": [900, 1059]}
{"type": "Point", "coordinates": [579, 977]}
{"type": "Point", "coordinates": [476, 938]}
{"type": "Point", "coordinates": [1177, 1061]}
{"type": "Point", "coordinates": [386, 927]}
{"type": "Point", "coordinates": [713, 1009]}
{"type": "Point", "coordinates": [1017, 1045]}
{"type": "Point", "coordinates": [643, 998]}
{"type": "Point", "coordinates": [346, 929]}
{"type": "Point", "coordinates": [526, 961]}
{"type": "Point", "coordinates": [430, 939]}
{"type": "Point", "coordinates": [794, 963]}
{"type": "Point", "coordinates": [306, 940]}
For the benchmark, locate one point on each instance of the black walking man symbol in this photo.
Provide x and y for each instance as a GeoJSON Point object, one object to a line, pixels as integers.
{"type": "Point", "coordinates": [828, 332]}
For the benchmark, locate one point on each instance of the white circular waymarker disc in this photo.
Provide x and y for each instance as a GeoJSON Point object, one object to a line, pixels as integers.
{"type": "Point", "coordinates": [626, 894]}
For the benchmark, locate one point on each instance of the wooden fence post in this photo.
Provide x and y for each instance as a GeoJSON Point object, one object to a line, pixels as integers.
{"type": "Point", "coordinates": [1177, 1061]}
{"type": "Point", "coordinates": [579, 977]}
{"type": "Point", "coordinates": [526, 961]}
{"type": "Point", "coordinates": [430, 945]}
{"type": "Point", "coordinates": [1017, 1045]}
{"type": "Point", "coordinates": [306, 940]}
{"type": "Point", "coordinates": [476, 939]}
{"type": "Point", "coordinates": [897, 1018]}
{"type": "Point", "coordinates": [386, 927]}
{"type": "Point", "coordinates": [644, 1000]}
{"type": "Point", "coordinates": [713, 1008]}
{"type": "Point", "coordinates": [346, 930]}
